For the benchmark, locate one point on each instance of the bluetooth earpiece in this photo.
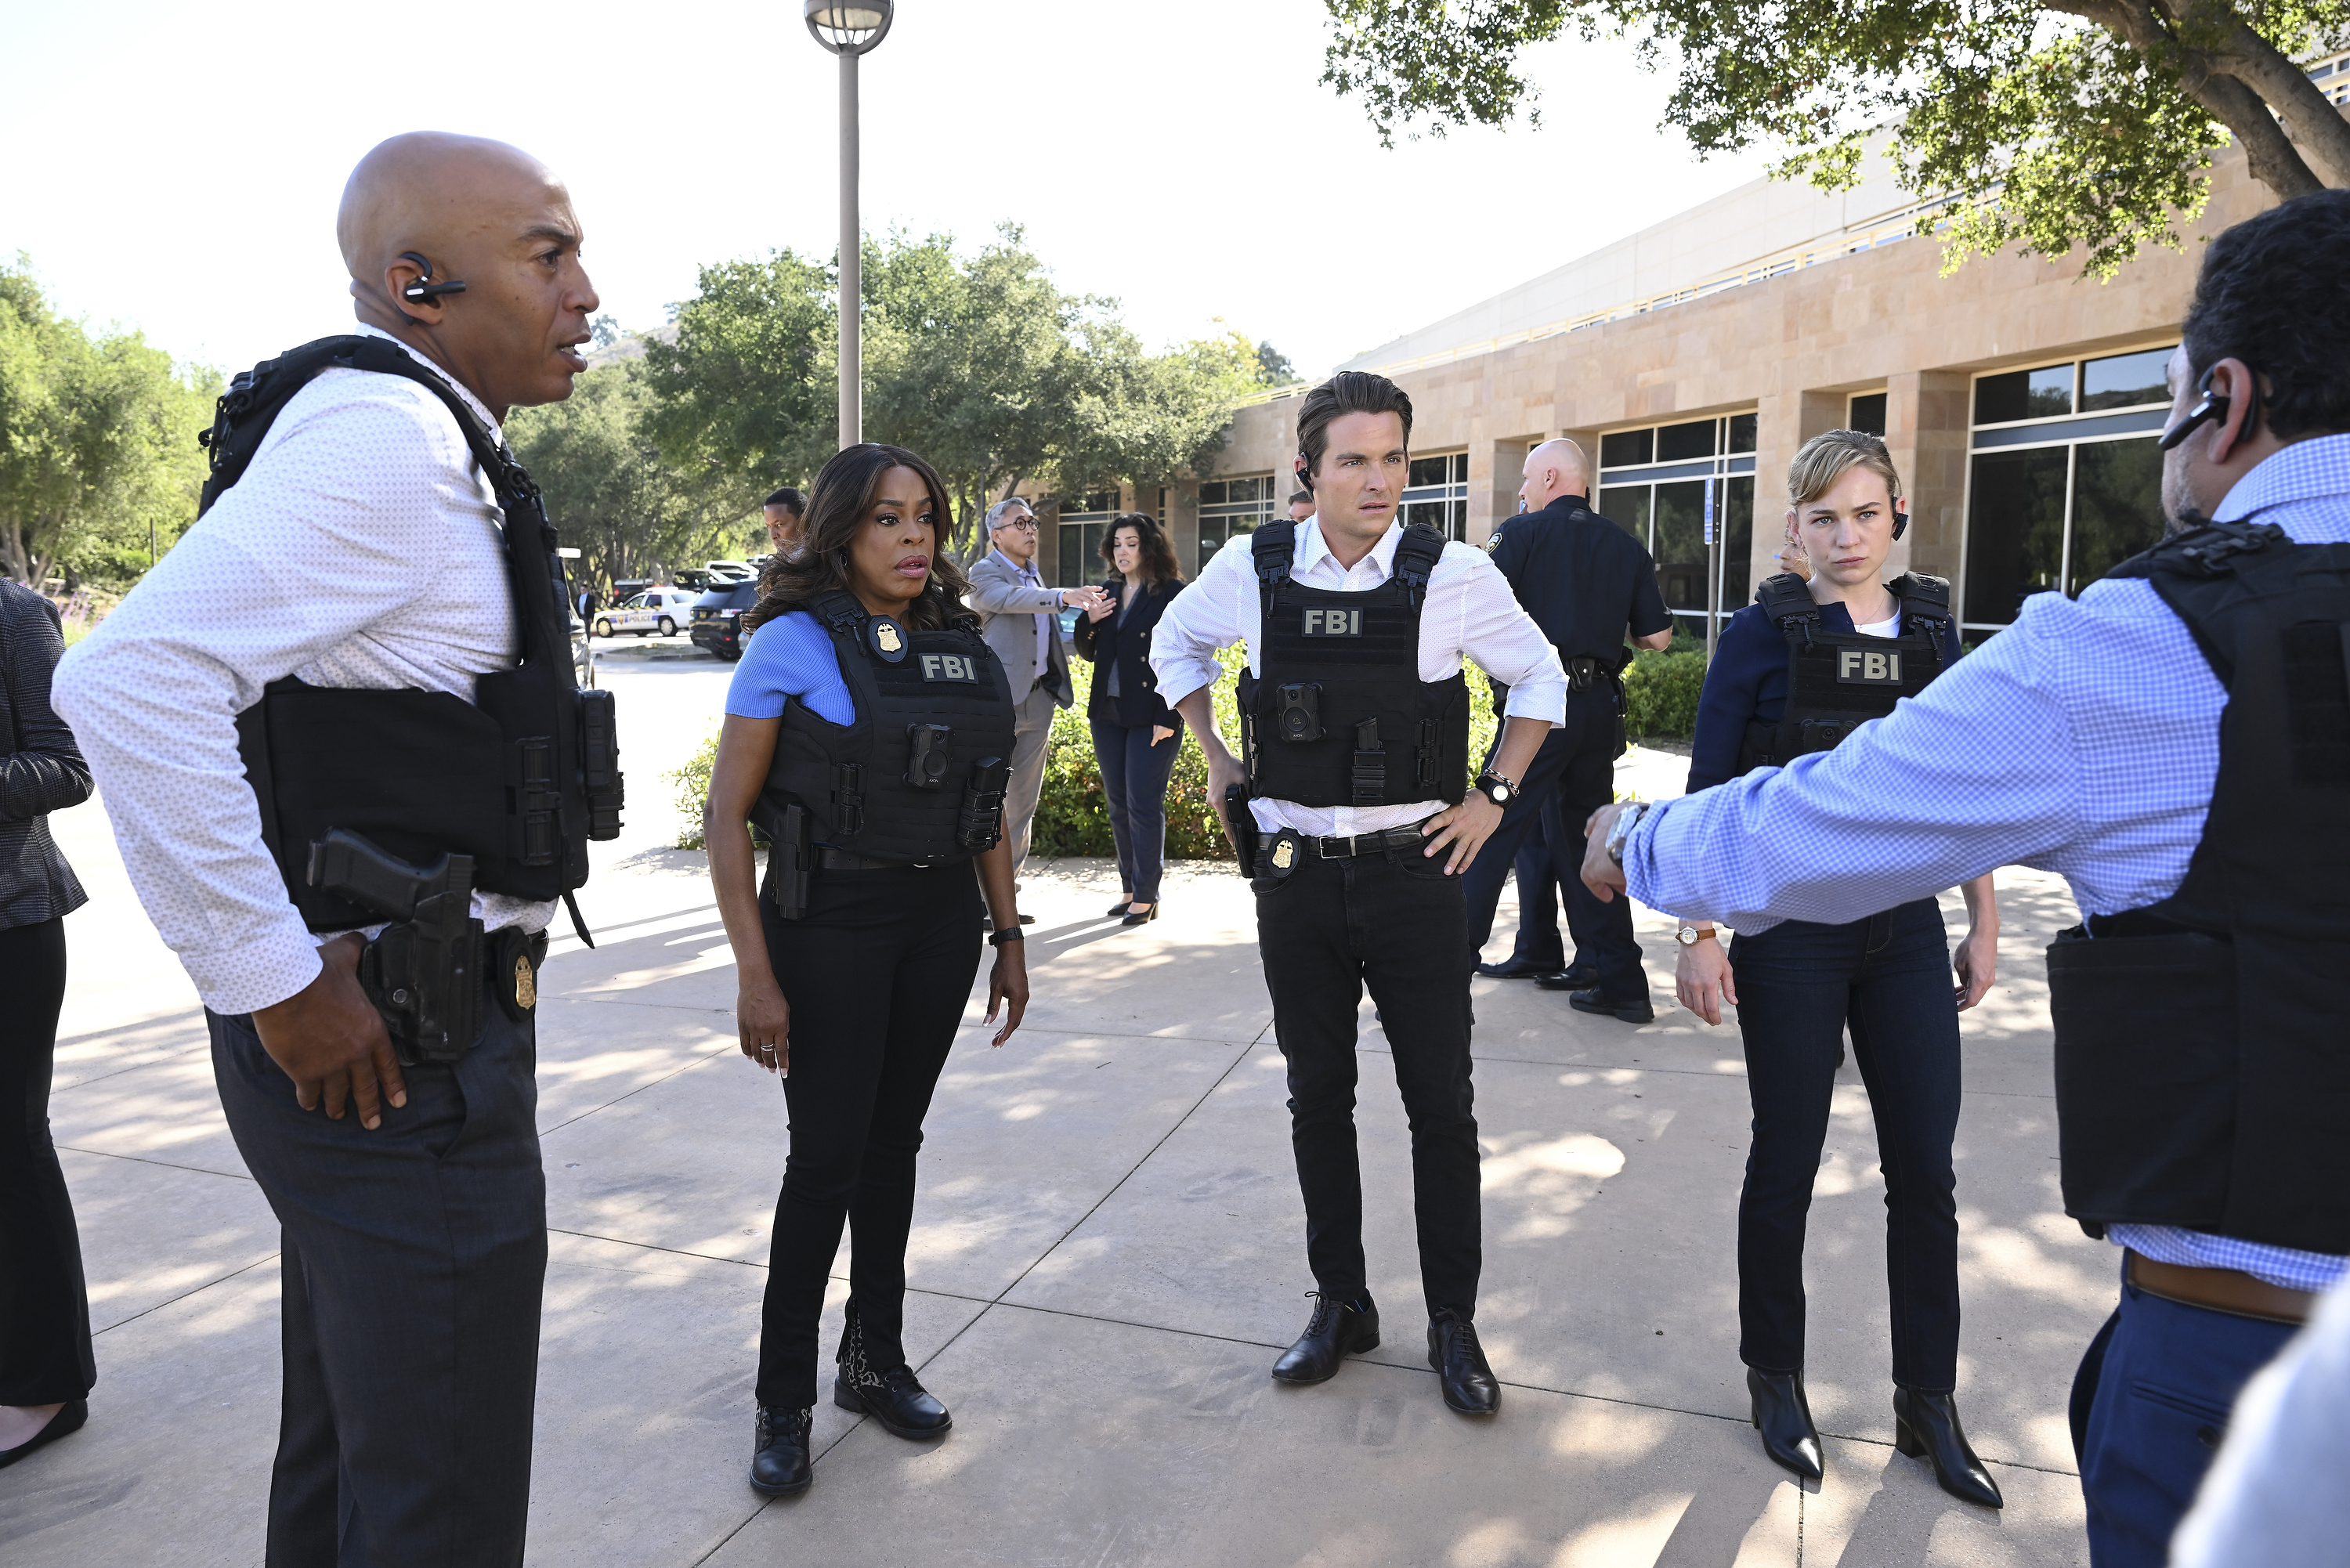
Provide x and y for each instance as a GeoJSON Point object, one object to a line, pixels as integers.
{"type": "Point", "coordinates": [1900, 519]}
{"type": "Point", "coordinates": [2213, 406]}
{"type": "Point", "coordinates": [424, 291]}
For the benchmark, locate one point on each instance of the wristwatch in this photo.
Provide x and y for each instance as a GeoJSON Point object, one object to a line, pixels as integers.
{"type": "Point", "coordinates": [1689, 936]}
{"type": "Point", "coordinates": [1008, 934]}
{"type": "Point", "coordinates": [1498, 790]}
{"type": "Point", "coordinates": [1626, 821]}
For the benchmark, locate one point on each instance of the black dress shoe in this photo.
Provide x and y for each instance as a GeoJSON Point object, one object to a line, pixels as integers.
{"type": "Point", "coordinates": [1334, 1333]}
{"type": "Point", "coordinates": [1516, 968]}
{"type": "Point", "coordinates": [65, 1423]}
{"type": "Point", "coordinates": [1575, 977]}
{"type": "Point", "coordinates": [892, 1395]}
{"type": "Point", "coordinates": [1120, 907]}
{"type": "Point", "coordinates": [1926, 1425]}
{"type": "Point", "coordinates": [1144, 918]}
{"type": "Point", "coordinates": [1468, 1385]}
{"type": "Point", "coordinates": [780, 1466]}
{"type": "Point", "coordinates": [1783, 1417]}
{"type": "Point", "coordinates": [1631, 1010]}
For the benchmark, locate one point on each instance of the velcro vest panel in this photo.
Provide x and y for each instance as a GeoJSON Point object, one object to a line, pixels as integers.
{"type": "Point", "coordinates": [1340, 716]}
{"type": "Point", "coordinates": [521, 778]}
{"type": "Point", "coordinates": [2203, 1055]}
{"type": "Point", "coordinates": [852, 779]}
{"type": "Point", "coordinates": [1839, 680]}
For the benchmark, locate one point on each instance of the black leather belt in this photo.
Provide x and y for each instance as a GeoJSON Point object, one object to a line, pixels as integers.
{"type": "Point", "coordinates": [831, 859]}
{"type": "Point", "coordinates": [1369, 843]}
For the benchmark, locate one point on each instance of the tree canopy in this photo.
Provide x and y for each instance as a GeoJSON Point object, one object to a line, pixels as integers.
{"type": "Point", "coordinates": [2049, 123]}
{"type": "Point", "coordinates": [981, 362]}
{"type": "Point", "coordinates": [98, 442]}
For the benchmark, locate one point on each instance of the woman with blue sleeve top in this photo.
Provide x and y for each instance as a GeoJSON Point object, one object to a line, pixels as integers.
{"type": "Point", "coordinates": [1135, 735]}
{"type": "Point", "coordinates": [868, 731]}
{"type": "Point", "coordinates": [1797, 672]}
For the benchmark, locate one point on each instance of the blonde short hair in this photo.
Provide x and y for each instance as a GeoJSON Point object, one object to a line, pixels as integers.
{"type": "Point", "coordinates": [1826, 458]}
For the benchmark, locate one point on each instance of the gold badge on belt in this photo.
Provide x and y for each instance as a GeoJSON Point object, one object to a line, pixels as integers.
{"type": "Point", "coordinates": [1284, 854]}
{"type": "Point", "coordinates": [525, 983]}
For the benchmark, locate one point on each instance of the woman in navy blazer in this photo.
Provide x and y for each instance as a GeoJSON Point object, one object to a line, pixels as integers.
{"type": "Point", "coordinates": [1135, 734]}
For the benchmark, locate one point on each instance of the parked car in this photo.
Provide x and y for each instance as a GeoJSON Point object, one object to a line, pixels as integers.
{"type": "Point", "coordinates": [718, 618]}
{"type": "Point", "coordinates": [656, 610]}
{"type": "Point", "coordinates": [583, 658]}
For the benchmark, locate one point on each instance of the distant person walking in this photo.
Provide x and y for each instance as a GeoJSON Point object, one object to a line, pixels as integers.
{"type": "Point", "coordinates": [45, 1366]}
{"type": "Point", "coordinates": [1016, 614]}
{"type": "Point", "coordinates": [785, 510]}
{"type": "Point", "coordinates": [1135, 734]}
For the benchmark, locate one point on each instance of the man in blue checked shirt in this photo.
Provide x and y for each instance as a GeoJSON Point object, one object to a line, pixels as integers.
{"type": "Point", "coordinates": [2176, 742]}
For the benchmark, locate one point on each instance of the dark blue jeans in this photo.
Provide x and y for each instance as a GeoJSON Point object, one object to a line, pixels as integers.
{"type": "Point", "coordinates": [1134, 775]}
{"type": "Point", "coordinates": [2155, 1389]}
{"type": "Point", "coordinates": [1799, 984]}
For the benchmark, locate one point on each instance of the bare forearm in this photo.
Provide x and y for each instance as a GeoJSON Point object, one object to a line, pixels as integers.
{"type": "Point", "coordinates": [734, 879]}
{"type": "Point", "coordinates": [1521, 739]}
{"type": "Point", "coordinates": [1198, 711]}
{"type": "Point", "coordinates": [995, 885]}
{"type": "Point", "coordinates": [1982, 903]}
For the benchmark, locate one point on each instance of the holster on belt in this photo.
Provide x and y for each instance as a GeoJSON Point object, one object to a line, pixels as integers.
{"type": "Point", "coordinates": [791, 857]}
{"type": "Point", "coordinates": [1240, 824]}
{"type": "Point", "coordinates": [424, 972]}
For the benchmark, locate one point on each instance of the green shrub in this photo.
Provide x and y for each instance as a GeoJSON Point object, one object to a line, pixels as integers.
{"type": "Point", "coordinates": [1660, 693]}
{"type": "Point", "coordinates": [692, 783]}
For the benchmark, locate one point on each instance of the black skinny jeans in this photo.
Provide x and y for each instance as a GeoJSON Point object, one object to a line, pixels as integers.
{"type": "Point", "coordinates": [1798, 985]}
{"type": "Point", "coordinates": [1392, 921]}
{"type": "Point", "coordinates": [45, 1352]}
{"type": "Point", "coordinates": [876, 974]}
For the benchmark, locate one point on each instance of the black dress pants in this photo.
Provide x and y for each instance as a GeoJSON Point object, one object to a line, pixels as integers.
{"type": "Point", "coordinates": [876, 973]}
{"type": "Point", "coordinates": [45, 1353]}
{"type": "Point", "coordinates": [1394, 922]}
{"type": "Point", "coordinates": [1573, 776]}
{"type": "Point", "coordinates": [414, 1259]}
{"type": "Point", "coordinates": [1799, 984]}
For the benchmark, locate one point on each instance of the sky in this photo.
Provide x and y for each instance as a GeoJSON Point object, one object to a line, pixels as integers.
{"type": "Point", "coordinates": [175, 168]}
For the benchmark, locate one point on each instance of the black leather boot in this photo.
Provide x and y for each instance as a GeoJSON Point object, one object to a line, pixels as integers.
{"type": "Point", "coordinates": [1783, 1417]}
{"type": "Point", "coordinates": [891, 1395]}
{"type": "Point", "coordinates": [780, 1466]}
{"type": "Point", "coordinates": [1334, 1333]}
{"type": "Point", "coordinates": [1926, 1425]}
{"type": "Point", "coordinates": [1469, 1384]}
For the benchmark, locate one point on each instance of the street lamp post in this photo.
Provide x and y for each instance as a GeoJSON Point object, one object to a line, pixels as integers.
{"type": "Point", "coordinates": [850, 28]}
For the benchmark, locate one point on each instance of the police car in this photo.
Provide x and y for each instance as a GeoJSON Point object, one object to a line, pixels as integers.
{"type": "Point", "coordinates": [656, 610]}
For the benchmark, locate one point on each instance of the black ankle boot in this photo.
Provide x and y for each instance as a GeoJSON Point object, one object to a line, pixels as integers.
{"type": "Point", "coordinates": [891, 1395]}
{"type": "Point", "coordinates": [1783, 1417]}
{"type": "Point", "coordinates": [780, 1466]}
{"type": "Point", "coordinates": [1926, 1425]}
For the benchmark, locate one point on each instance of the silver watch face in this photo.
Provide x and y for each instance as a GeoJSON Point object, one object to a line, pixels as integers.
{"type": "Point", "coordinates": [1686, 936]}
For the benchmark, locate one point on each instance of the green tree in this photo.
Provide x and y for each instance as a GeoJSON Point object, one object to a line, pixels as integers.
{"type": "Point", "coordinates": [749, 383]}
{"type": "Point", "coordinates": [2050, 124]}
{"type": "Point", "coordinates": [613, 492]}
{"type": "Point", "coordinates": [97, 442]}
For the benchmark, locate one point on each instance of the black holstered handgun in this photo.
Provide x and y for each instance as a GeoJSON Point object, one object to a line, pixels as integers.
{"type": "Point", "coordinates": [424, 972]}
{"type": "Point", "coordinates": [980, 825]}
{"type": "Point", "coordinates": [1240, 824]}
{"type": "Point", "coordinates": [791, 855]}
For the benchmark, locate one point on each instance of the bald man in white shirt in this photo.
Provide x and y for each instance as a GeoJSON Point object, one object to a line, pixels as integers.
{"type": "Point", "coordinates": [364, 551]}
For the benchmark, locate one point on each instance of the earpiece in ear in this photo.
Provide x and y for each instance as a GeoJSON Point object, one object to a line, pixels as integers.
{"type": "Point", "coordinates": [1900, 519]}
{"type": "Point", "coordinates": [423, 290]}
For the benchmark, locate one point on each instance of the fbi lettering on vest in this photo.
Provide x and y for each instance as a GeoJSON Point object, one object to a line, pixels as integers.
{"type": "Point", "coordinates": [1867, 667]}
{"type": "Point", "coordinates": [1333, 623]}
{"type": "Point", "coordinates": [950, 667]}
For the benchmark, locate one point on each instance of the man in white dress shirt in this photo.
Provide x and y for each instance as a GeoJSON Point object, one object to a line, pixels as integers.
{"type": "Point", "coordinates": [1357, 721]}
{"type": "Point", "coordinates": [362, 548]}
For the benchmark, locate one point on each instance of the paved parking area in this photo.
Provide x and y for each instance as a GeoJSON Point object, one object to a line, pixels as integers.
{"type": "Point", "coordinates": [1106, 1255]}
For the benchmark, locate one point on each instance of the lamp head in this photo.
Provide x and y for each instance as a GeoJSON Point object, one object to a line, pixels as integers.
{"type": "Point", "coordinates": [848, 26]}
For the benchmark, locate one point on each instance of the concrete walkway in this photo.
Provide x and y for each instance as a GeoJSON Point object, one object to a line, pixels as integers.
{"type": "Point", "coordinates": [1107, 1254]}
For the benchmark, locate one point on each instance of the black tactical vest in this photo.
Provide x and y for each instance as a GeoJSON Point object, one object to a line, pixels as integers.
{"type": "Point", "coordinates": [890, 785]}
{"type": "Point", "coordinates": [1839, 680]}
{"type": "Point", "coordinates": [2203, 1042]}
{"type": "Point", "coordinates": [521, 778]}
{"type": "Point", "coordinates": [1341, 716]}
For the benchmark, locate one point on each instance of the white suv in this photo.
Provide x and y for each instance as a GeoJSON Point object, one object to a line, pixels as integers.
{"type": "Point", "coordinates": [656, 610]}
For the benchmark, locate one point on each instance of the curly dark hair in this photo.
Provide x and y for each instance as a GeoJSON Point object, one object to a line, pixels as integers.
{"type": "Point", "coordinates": [835, 511]}
{"type": "Point", "coordinates": [1158, 555]}
{"type": "Point", "coordinates": [2271, 294]}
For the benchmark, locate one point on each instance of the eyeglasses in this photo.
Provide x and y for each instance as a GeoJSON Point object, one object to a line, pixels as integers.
{"type": "Point", "coordinates": [1027, 524]}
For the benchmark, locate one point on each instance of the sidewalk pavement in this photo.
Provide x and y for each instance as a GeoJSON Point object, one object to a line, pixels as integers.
{"type": "Point", "coordinates": [1107, 1253]}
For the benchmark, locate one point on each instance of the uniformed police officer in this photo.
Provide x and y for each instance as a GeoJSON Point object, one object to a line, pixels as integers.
{"type": "Point", "coordinates": [1590, 586]}
{"type": "Point", "coordinates": [868, 732]}
{"type": "Point", "coordinates": [378, 725]}
{"type": "Point", "coordinates": [2176, 742]}
{"type": "Point", "coordinates": [1356, 727]}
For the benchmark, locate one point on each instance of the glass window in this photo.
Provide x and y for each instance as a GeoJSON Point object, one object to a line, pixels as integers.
{"type": "Point", "coordinates": [2116, 507]}
{"type": "Point", "coordinates": [2124, 381]}
{"type": "Point", "coordinates": [1735, 502]}
{"type": "Point", "coordinates": [1623, 448]}
{"type": "Point", "coordinates": [1678, 443]}
{"type": "Point", "coordinates": [1626, 506]}
{"type": "Point", "coordinates": [1213, 493]}
{"type": "Point", "coordinates": [1679, 548]}
{"type": "Point", "coordinates": [1866, 413]}
{"type": "Point", "coordinates": [2016, 530]}
{"type": "Point", "coordinates": [1430, 470]}
{"type": "Point", "coordinates": [2023, 395]}
{"type": "Point", "coordinates": [1232, 509]}
{"type": "Point", "coordinates": [1741, 432]}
